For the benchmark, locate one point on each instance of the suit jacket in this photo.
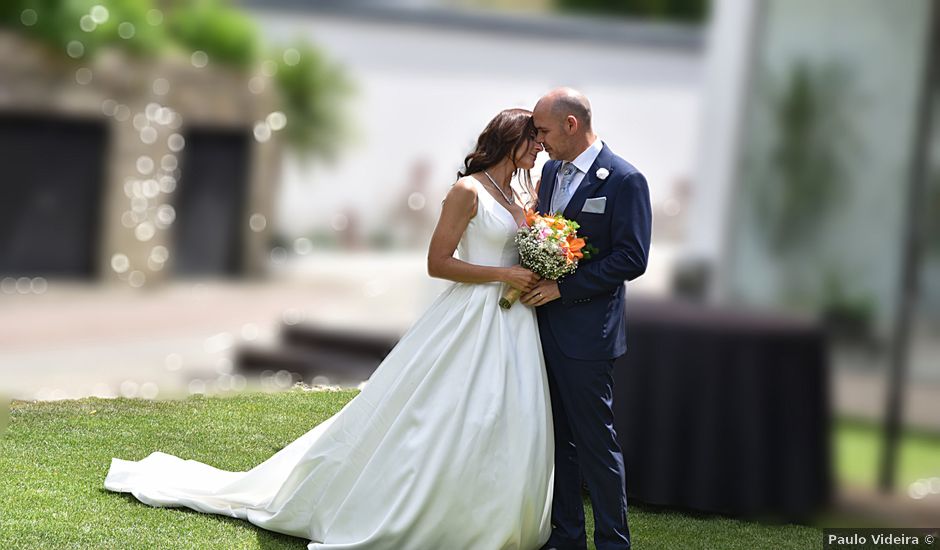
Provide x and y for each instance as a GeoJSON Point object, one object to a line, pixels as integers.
{"type": "Point", "coordinates": [589, 320]}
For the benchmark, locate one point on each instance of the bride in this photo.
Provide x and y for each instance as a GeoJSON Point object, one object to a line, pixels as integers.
{"type": "Point", "coordinates": [449, 445]}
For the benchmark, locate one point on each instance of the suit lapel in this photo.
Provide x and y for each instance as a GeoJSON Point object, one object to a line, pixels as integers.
{"type": "Point", "coordinates": [547, 188]}
{"type": "Point", "coordinates": [588, 186]}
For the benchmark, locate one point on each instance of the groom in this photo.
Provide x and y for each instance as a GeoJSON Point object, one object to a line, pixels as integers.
{"type": "Point", "coordinates": [581, 316]}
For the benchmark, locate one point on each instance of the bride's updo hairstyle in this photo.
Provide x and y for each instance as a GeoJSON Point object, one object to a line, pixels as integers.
{"type": "Point", "coordinates": [509, 131]}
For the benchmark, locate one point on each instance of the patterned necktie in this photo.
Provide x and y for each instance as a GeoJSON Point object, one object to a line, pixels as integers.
{"type": "Point", "coordinates": [568, 171]}
{"type": "Point", "coordinates": [567, 174]}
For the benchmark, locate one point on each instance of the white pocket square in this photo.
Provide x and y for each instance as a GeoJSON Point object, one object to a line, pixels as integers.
{"type": "Point", "coordinates": [595, 205]}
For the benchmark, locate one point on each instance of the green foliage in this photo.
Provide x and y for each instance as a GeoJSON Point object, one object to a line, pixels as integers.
{"type": "Point", "coordinates": [225, 34]}
{"type": "Point", "coordinates": [799, 179]}
{"type": "Point", "coordinates": [848, 315]}
{"type": "Point", "coordinates": [312, 89]}
{"type": "Point", "coordinates": [58, 22]}
{"type": "Point", "coordinates": [679, 10]}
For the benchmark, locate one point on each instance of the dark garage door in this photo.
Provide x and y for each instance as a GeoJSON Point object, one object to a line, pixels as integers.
{"type": "Point", "coordinates": [51, 172]}
{"type": "Point", "coordinates": [210, 203]}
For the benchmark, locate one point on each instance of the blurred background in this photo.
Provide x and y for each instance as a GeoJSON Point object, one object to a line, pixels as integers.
{"type": "Point", "coordinates": [199, 197]}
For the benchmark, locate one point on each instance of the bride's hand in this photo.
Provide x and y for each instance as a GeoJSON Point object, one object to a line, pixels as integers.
{"type": "Point", "coordinates": [520, 277]}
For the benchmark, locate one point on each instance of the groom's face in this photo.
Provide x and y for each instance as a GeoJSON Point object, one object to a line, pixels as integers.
{"type": "Point", "coordinates": [550, 132]}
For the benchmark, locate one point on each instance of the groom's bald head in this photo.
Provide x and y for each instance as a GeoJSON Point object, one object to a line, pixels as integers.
{"type": "Point", "coordinates": [562, 120]}
{"type": "Point", "coordinates": [564, 102]}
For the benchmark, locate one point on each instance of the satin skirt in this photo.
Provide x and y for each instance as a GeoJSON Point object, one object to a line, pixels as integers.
{"type": "Point", "coordinates": [449, 445]}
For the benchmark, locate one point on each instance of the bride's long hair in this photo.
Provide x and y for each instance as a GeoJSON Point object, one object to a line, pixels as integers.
{"type": "Point", "coordinates": [503, 136]}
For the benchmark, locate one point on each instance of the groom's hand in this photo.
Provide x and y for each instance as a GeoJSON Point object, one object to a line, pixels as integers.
{"type": "Point", "coordinates": [544, 292]}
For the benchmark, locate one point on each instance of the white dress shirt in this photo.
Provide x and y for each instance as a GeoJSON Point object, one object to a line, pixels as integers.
{"type": "Point", "coordinates": [583, 163]}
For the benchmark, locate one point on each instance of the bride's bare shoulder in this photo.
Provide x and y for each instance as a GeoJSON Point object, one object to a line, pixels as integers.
{"type": "Point", "coordinates": [462, 195]}
{"type": "Point", "coordinates": [466, 183]}
{"type": "Point", "coordinates": [464, 189]}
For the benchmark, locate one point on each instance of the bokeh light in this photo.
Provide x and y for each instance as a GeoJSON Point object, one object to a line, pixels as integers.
{"type": "Point", "coordinates": [29, 17]}
{"type": "Point", "coordinates": [83, 76]}
{"type": "Point", "coordinates": [257, 222]}
{"type": "Point", "coordinates": [75, 49]}
{"type": "Point", "coordinates": [199, 59]}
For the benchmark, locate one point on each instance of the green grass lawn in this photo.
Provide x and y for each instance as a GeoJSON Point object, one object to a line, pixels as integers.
{"type": "Point", "coordinates": [858, 450]}
{"type": "Point", "coordinates": [54, 457]}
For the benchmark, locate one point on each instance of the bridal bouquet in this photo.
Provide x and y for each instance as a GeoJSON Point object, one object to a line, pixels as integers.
{"type": "Point", "coordinates": [549, 247]}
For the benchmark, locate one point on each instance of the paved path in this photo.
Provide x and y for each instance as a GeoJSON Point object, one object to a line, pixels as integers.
{"type": "Point", "coordinates": [78, 340]}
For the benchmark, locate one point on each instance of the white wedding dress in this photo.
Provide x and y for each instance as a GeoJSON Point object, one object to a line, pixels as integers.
{"type": "Point", "coordinates": [449, 445]}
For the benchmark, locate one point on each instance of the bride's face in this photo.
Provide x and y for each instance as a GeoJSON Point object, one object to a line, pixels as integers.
{"type": "Point", "coordinates": [525, 155]}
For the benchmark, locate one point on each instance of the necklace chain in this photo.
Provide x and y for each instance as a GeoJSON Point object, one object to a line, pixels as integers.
{"type": "Point", "coordinates": [509, 199]}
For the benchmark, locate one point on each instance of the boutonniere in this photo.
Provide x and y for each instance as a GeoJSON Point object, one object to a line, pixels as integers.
{"type": "Point", "coordinates": [602, 173]}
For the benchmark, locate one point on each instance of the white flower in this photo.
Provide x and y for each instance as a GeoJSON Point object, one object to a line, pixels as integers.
{"type": "Point", "coordinates": [602, 173]}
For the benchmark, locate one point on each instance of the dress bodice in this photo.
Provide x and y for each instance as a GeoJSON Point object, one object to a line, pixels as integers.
{"type": "Point", "coordinates": [490, 236]}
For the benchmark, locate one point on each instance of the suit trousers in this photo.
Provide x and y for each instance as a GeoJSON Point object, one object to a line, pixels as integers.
{"type": "Point", "coordinates": [585, 445]}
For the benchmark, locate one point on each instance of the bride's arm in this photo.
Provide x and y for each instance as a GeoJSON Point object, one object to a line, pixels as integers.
{"type": "Point", "coordinates": [460, 207]}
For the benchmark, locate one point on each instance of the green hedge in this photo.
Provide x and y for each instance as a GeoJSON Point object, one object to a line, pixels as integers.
{"type": "Point", "coordinates": [311, 87]}
{"type": "Point", "coordinates": [680, 10]}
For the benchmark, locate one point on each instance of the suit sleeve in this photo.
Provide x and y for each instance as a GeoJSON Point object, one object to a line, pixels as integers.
{"type": "Point", "coordinates": [631, 221]}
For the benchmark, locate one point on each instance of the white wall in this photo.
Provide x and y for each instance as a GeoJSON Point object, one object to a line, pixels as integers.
{"type": "Point", "coordinates": [425, 94]}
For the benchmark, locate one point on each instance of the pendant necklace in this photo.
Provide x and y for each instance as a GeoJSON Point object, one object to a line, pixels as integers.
{"type": "Point", "coordinates": [508, 200]}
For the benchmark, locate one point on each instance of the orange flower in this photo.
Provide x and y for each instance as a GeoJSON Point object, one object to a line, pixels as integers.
{"type": "Point", "coordinates": [530, 217]}
{"type": "Point", "coordinates": [573, 248]}
{"type": "Point", "coordinates": [558, 224]}
{"type": "Point", "coordinates": [575, 244]}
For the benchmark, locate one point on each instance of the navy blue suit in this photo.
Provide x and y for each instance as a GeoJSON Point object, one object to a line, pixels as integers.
{"type": "Point", "coordinates": [582, 334]}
